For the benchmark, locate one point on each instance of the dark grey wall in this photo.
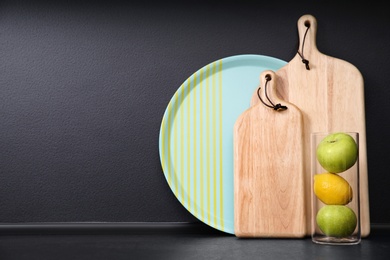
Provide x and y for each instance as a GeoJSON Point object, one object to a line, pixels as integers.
{"type": "Point", "coordinates": [83, 87]}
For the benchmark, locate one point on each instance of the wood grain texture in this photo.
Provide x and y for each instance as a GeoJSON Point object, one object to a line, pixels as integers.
{"type": "Point", "coordinates": [331, 98]}
{"type": "Point", "coordinates": [268, 170]}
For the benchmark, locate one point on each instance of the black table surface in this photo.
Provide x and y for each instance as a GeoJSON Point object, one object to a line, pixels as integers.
{"type": "Point", "coordinates": [171, 241]}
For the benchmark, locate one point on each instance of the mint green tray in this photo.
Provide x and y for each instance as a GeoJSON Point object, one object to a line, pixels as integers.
{"type": "Point", "coordinates": [196, 135]}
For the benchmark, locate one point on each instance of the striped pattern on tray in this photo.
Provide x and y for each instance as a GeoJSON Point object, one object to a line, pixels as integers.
{"type": "Point", "coordinates": [194, 134]}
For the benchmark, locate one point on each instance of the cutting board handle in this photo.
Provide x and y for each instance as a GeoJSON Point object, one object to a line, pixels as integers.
{"type": "Point", "coordinates": [307, 31]}
{"type": "Point", "coordinates": [268, 95]}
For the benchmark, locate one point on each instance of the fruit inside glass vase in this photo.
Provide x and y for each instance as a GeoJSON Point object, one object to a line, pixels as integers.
{"type": "Point", "coordinates": [336, 220]}
{"type": "Point", "coordinates": [331, 188]}
{"type": "Point", "coordinates": [337, 152]}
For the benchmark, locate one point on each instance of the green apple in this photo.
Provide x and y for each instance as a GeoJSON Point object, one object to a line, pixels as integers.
{"type": "Point", "coordinates": [337, 152]}
{"type": "Point", "coordinates": [336, 220]}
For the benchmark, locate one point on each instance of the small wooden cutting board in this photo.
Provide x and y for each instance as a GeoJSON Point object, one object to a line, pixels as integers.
{"type": "Point", "coordinates": [268, 170]}
{"type": "Point", "coordinates": [330, 95]}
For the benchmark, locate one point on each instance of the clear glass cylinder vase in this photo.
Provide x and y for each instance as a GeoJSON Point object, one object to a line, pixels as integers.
{"type": "Point", "coordinates": [335, 188]}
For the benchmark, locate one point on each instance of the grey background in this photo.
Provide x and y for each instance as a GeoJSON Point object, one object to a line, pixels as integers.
{"type": "Point", "coordinates": [84, 85]}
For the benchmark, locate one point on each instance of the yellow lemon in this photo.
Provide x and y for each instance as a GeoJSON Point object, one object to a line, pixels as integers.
{"type": "Point", "coordinates": [332, 189]}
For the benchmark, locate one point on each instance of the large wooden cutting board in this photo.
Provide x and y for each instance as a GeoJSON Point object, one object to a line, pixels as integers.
{"type": "Point", "coordinates": [331, 97]}
{"type": "Point", "coordinates": [268, 170]}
